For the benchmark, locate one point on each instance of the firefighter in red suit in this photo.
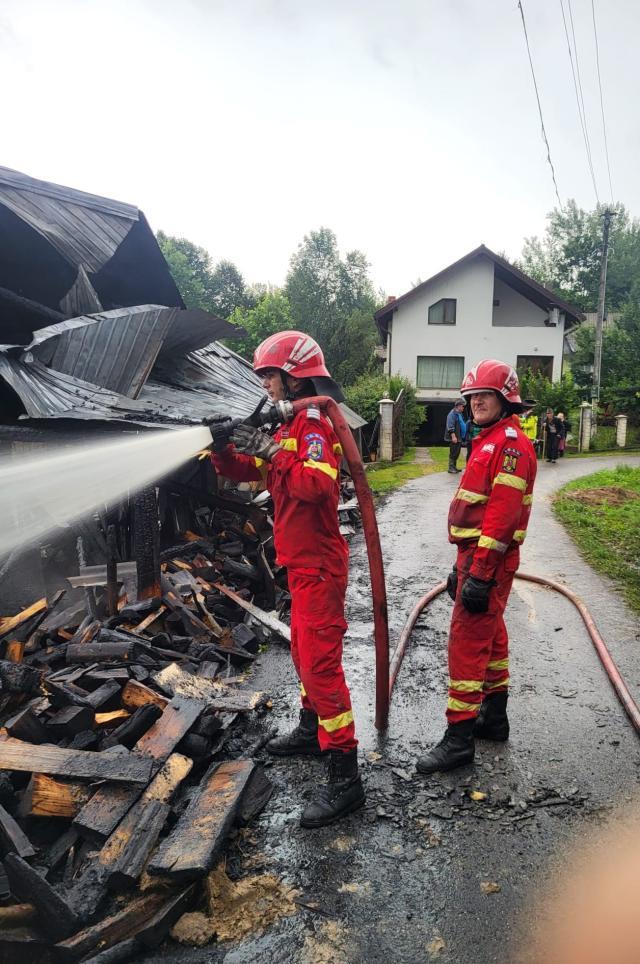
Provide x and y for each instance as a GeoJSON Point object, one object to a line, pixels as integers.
{"type": "Point", "coordinates": [300, 464]}
{"type": "Point", "coordinates": [488, 520]}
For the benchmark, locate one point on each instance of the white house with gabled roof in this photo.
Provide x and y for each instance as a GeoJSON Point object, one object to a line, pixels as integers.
{"type": "Point", "coordinates": [479, 307]}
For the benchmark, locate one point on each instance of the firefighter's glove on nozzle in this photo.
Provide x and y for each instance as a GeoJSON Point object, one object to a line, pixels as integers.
{"type": "Point", "coordinates": [452, 583]}
{"type": "Point", "coordinates": [475, 594]}
{"type": "Point", "coordinates": [251, 441]}
{"type": "Point", "coordinates": [221, 427]}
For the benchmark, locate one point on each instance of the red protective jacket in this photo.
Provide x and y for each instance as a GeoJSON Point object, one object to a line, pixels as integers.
{"type": "Point", "coordinates": [492, 506]}
{"type": "Point", "coordinates": [303, 479]}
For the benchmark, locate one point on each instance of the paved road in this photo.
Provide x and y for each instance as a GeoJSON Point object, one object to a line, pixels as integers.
{"type": "Point", "coordinates": [402, 880]}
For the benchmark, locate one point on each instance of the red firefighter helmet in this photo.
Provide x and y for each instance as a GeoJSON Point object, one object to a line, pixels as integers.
{"type": "Point", "coordinates": [491, 375]}
{"type": "Point", "coordinates": [297, 354]}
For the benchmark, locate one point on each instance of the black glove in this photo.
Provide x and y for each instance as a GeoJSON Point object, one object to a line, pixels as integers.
{"type": "Point", "coordinates": [452, 583]}
{"type": "Point", "coordinates": [221, 427]}
{"type": "Point", "coordinates": [475, 594]}
{"type": "Point", "coordinates": [252, 441]}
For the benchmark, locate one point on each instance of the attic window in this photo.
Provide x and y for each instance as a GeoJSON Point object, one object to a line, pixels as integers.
{"type": "Point", "coordinates": [443, 312]}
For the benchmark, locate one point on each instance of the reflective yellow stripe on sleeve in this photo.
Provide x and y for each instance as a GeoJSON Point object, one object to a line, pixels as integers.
{"type": "Point", "coordinates": [519, 535]}
{"type": "Point", "coordinates": [337, 722]}
{"type": "Point", "coordinates": [514, 481]}
{"type": "Point", "coordinates": [461, 706]}
{"type": "Point", "coordinates": [289, 444]}
{"type": "Point", "coordinates": [486, 542]}
{"type": "Point", "coordinates": [465, 533]}
{"type": "Point", "coordinates": [466, 495]}
{"type": "Point", "coordinates": [466, 685]}
{"type": "Point", "coordinates": [322, 467]}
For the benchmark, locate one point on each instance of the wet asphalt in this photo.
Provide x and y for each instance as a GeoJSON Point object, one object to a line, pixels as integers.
{"type": "Point", "coordinates": [405, 879]}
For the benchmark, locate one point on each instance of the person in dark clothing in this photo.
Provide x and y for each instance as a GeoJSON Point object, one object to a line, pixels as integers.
{"type": "Point", "coordinates": [552, 429]}
{"type": "Point", "coordinates": [566, 428]}
{"type": "Point", "coordinates": [455, 433]}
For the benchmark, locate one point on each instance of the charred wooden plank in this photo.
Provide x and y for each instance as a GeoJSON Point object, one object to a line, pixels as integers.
{"type": "Point", "coordinates": [146, 537]}
{"type": "Point", "coordinates": [175, 681]}
{"type": "Point", "coordinates": [157, 928]}
{"type": "Point", "coordinates": [129, 732]}
{"type": "Point", "coordinates": [26, 726]}
{"type": "Point", "coordinates": [29, 886]}
{"type": "Point", "coordinates": [99, 676]}
{"type": "Point", "coordinates": [47, 796]}
{"type": "Point", "coordinates": [111, 717]}
{"type": "Point", "coordinates": [69, 721]}
{"type": "Point", "coordinates": [146, 829]}
{"type": "Point", "coordinates": [10, 623]}
{"type": "Point", "coordinates": [109, 804]}
{"type": "Point", "coordinates": [193, 846]}
{"type": "Point", "coordinates": [18, 678]}
{"type": "Point", "coordinates": [14, 651]}
{"type": "Point", "coordinates": [16, 755]}
{"type": "Point", "coordinates": [120, 953]}
{"type": "Point", "coordinates": [60, 848]}
{"type": "Point", "coordinates": [136, 694]}
{"type": "Point", "coordinates": [85, 740]}
{"type": "Point", "coordinates": [104, 694]}
{"type": "Point", "coordinates": [17, 915]}
{"type": "Point", "coordinates": [90, 652]}
{"type": "Point", "coordinates": [65, 694]}
{"type": "Point", "coordinates": [112, 930]}
{"type": "Point", "coordinates": [12, 838]}
{"type": "Point", "coordinates": [267, 619]}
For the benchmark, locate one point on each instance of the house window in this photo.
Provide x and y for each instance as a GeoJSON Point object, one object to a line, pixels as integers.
{"type": "Point", "coordinates": [537, 364]}
{"type": "Point", "coordinates": [440, 371]}
{"type": "Point", "coordinates": [443, 312]}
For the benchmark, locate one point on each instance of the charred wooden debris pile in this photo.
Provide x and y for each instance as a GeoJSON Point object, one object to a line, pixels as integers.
{"type": "Point", "coordinates": [114, 778]}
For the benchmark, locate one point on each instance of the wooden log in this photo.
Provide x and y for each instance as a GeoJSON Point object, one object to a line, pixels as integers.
{"type": "Point", "coordinates": [9, 623]}
{"type": "Point", "coordinates": [14, 651]}
{"type": "Point", "coordinates": [104, 694]}
{"type": "Point", "coordinates": [145, 832]}
{"type": "Point", "coordinates": [16, 755]}
{"type": "Point", "coordinates": [65, 694]}
{"type": "Point", "coordinates": [69, 721]}
{"type": "Point", "coordinates": [109, 804]}
{"type": "Point", "coordinates": [129, 732]}
{"type": "Point", "coordinates": [157, 928]}
{"type": "Point", "coordinates": [29, 886]}
{"type": "Point", "coordinates": [112, 930]}
{"type": "Point", "coordinates": [176, 681]}
{"type": "Point", "coordinates": [113, 716]}
{"type": "Point", "coordinates": [193, 846]}
{"type": "Point", "coordinates": [12, 838]}
{"type": "Point", "coordinates": [90, 652]}
{"type": "Point", "coordinates": [146, 537]}
{"type": "Point", "coordinates": [112, 571]}
{"type": "Point", "coordinates": [26, 726]}
{"type": "Point", "coordinates": [47, 796]}
{"type": "Point", "coordinates": [136, 694]}
{"type": "Point", "coordinates": [17, 915]}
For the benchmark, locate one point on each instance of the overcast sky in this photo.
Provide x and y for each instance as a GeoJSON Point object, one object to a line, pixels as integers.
{"type": "Point", "coordinates": [409, 127]}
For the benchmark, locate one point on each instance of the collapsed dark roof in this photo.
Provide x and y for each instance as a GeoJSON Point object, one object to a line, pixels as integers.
{"type": "Point", "coordinates": [68, 252]}
{"type": "Point", "coordinates": [522, 283]}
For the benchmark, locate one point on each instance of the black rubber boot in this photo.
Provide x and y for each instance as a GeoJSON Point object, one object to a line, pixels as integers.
{"type": "Point", "coordinates": [492, 722]}
{"type": "Point", "coordinates": [455, 749]}
{"type": "Point", "coordinates": [342, 794]}
{"type": "Point", "coordinates": [302, 740]}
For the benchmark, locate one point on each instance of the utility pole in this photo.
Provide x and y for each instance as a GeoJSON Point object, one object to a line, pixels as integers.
{"type": "Point", "coordinates": [597, 359]}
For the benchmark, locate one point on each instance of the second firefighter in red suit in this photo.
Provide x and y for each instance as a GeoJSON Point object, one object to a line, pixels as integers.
{"type": "Point", "coordinates": [488, 520]}
{"type": "Point", "coordinates": [300, 464]}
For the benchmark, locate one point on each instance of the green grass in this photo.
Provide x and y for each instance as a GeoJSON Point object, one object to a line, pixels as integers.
{"type": "Point", "coordinates": [607, 535]}
{"type": "Point", "coordinates": [384, 477]}
{"type": "Point", "coordinates": [601, 455]}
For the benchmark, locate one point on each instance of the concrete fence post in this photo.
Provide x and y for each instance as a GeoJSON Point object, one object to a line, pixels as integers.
{"type": "Point", "coordinates": [585, 426]}
{"type": "Point", "coordinates": [385, 435]}
{"type": "Point", "coordinates": [621, 431]}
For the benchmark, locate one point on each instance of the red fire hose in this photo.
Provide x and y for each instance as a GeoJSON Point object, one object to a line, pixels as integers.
{"type": "Point", "coordinates": [630, 706]}
{"type": "Point", "coordinates": [374, 552]}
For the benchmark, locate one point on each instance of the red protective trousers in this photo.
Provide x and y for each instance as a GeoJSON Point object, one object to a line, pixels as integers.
{"type": "Point", "coordinates": [478, 642]}
{"type": "Point", "coordinates": [317, 629]}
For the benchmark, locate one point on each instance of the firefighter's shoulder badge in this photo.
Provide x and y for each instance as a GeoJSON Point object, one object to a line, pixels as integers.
{"type": "Point", "coordinates": [510, 459]}
{"type": "Point", "coordinates": [313, 412]}
{"type": "Point", "coordinates": [315, 446]}
{"type": "Point", "coordinates": [510, 432]}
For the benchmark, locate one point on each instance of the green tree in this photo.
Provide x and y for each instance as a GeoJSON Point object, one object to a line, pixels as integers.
{"type": "Point", "coordinates": [218, 289]}
{"type": "Point", "coordinates": [561, 396]}
{"type": "Point", "coordinates": [620, 370]}
{"type": "Point", "coordinates": [567, 257]}
{"type": "Point", "coordinates": [367, 390]}
{"type": "Point", "coordinates": [328, 295]}
{"type": "Point", "coordinates": [272, 313]}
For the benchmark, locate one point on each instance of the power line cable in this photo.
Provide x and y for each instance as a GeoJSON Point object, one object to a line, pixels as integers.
{"type": "Point", "coordinates": [584, 112]}
{"type": "Point", "coordinates": [577, 86]}
{"type": "Point", "coordinates": [535, 85]}
{"type": "Point", "coordinates": [604, 126]}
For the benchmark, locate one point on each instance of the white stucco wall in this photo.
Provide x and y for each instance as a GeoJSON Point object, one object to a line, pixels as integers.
{"type": "Point", "coordinates": [518, 329]}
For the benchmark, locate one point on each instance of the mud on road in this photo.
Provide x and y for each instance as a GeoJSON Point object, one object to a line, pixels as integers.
{"type": "Point", "coordinates": [452, 867]}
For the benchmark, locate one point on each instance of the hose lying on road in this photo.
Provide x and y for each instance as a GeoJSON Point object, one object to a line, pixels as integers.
{"type": "Point", "coordinates": [631, 708]}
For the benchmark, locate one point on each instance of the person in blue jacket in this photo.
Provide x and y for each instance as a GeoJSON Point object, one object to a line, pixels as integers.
{"type": "Point", "coordinates": [455, 433]}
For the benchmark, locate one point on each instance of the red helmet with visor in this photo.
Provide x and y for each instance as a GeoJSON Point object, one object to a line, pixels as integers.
{"type": "Point", "coordinates": [491, 375]}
